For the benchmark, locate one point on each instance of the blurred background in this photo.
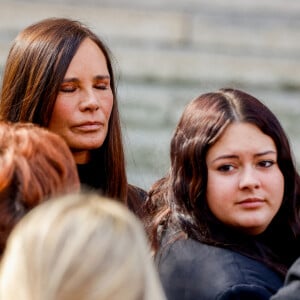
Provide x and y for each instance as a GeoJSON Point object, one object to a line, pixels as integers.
{"type": "Point", "coordinates": [167, 52]}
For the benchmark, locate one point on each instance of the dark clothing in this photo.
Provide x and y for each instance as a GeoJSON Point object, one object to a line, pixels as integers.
{"type": "Point", "coordinates": [190, 270]}
{"type": "Point", "coordinates": [291, 288]}
{"type": "Point", "coordinates": [90, 179]}
{"type": "Point", "coordinates": [276, 247]}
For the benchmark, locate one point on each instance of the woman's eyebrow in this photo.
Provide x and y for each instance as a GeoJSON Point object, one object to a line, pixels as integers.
{"type": "Point", "coordinates": [72, 79]}
{"type": "Point", "coordinates": [102, 77]}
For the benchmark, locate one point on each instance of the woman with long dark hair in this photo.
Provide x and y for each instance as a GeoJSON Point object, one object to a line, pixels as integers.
{"type": "Point", "coordinates": [224, 222]}
{"type": "Point", "coordinates": [59, 75]}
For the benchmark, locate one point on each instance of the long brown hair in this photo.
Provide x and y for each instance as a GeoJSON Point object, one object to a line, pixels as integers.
{"type": "Point", "coordinates": [35, 68]}
{"type": "Point", "coordinates": [35, 164]}
{"type": "Point", "coordinates": [177, 202]}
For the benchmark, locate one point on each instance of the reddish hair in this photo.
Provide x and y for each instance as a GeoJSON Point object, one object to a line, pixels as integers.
{"type": "Point", "coordinates": [35, 165]}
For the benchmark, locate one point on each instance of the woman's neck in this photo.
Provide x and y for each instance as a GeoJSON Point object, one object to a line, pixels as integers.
{"type": "Point", "coordinates": [81, 157]}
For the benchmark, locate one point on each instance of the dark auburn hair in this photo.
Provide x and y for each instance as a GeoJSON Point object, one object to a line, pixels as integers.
{"type": "Point", "coordinates": [35, 164]}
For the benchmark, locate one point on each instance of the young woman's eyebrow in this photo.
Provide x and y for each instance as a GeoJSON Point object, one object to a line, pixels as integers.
{"type": "Point", "coordinates": [230, 156]}
{"type": "Point", "coordinates": [266, 153]}
{"type": "Point", "coordinates": [225, 156]}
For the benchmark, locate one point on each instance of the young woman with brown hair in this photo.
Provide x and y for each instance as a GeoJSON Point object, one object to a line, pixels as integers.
{"type": "Point", "coordinates": [224, 223]}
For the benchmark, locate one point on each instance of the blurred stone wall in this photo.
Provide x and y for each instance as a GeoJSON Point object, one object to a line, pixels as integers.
{"type": "Point", "coordinates": [169, 51]}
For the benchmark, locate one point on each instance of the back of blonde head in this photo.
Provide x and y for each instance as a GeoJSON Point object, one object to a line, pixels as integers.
{"type": "Point", "coordinates": [78, 247]}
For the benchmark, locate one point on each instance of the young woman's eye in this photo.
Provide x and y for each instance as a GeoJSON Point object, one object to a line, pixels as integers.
{"type": "Point", "coordinates": [225, 168]}
{"type": "Point", "coordinates": [266, 163]}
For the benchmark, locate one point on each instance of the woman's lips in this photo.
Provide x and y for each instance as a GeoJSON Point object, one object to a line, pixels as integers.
{"type": "Point", "coordinates": [89, 126]}
{"type": "Point", "coordinates": [251, 203]}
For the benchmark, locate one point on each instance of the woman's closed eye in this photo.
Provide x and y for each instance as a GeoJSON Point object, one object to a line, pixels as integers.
{"type": "Point", "coordinates": [101, 86]}
{"type": "Point", "coordinates": [68, 87]}
{"type": "Point", "coordinates": [102, 83]}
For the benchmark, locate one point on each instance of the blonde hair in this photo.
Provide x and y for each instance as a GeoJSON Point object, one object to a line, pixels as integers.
{"type": "Point", "coordinates": [80, 246]}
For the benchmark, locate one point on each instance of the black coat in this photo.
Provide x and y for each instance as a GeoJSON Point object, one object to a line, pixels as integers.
{"type": "Point", "coordinates": [90, 179]}
{"type": "Point", "coordinates": [291, 289]}
{"type": "Point", "coordinates": [190, 270]}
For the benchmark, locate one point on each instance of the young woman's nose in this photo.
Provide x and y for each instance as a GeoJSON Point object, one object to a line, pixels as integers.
{"type": "Point", "coordinates": [249, 178]}
{"type": "Point", "coordinates": [89, 101]}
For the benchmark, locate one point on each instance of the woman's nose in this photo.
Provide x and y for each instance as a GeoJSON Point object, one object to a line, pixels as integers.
{"type": "Point", "coordinates": [89, 101]}
{"type": "Point", "coordinates": [249, 178]}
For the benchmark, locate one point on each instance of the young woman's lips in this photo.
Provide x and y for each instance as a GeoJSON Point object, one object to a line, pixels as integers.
{"type": "Point", "coordinates": [89, 126]}
{"type": "Point", "coordinates": [251, 202]}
